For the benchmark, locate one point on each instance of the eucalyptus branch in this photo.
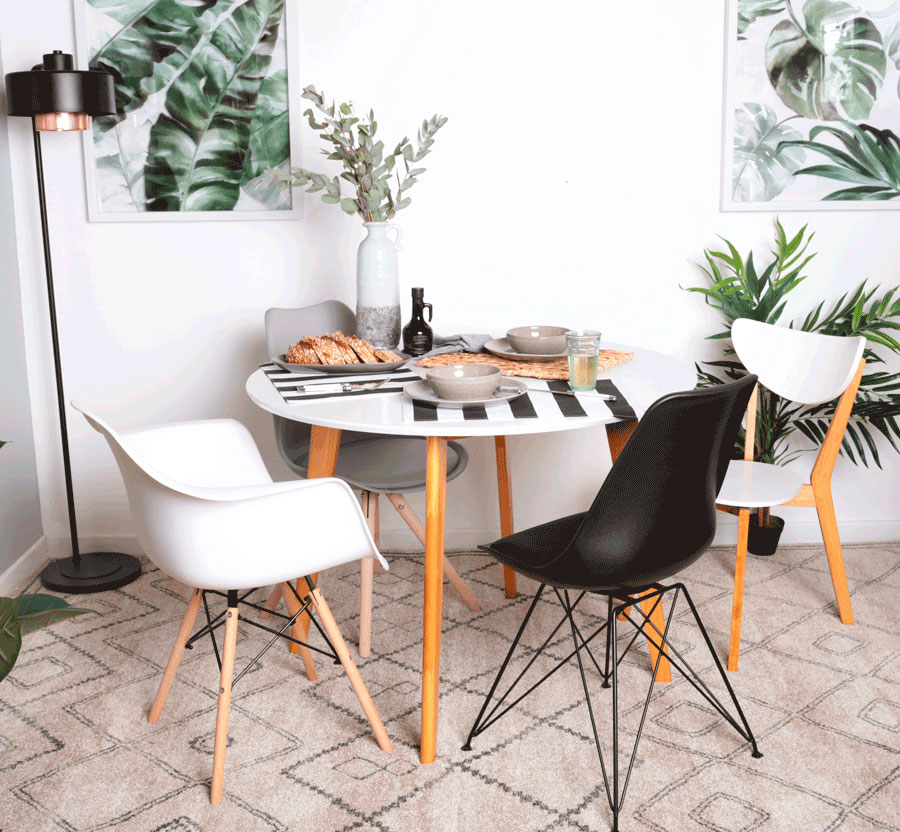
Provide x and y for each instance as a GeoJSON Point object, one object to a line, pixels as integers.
{"type": "Point", "coordinates": [365, 167]}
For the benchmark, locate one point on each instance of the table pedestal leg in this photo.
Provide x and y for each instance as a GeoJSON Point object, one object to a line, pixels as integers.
{"type": "Point", "coordinates": [504, 492]}
{"type": "Point", "coordinates": [435, 498]}
{"type": "Point", "coordinates": [617, 434]}
{"type": "Point", "coordinates": [323, 455]}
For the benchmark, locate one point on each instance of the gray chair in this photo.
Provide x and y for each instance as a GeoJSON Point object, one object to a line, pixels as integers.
{"type": "Point", "coordinates": [372, 463]}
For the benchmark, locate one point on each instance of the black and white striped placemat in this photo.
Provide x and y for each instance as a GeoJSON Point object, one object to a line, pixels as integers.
{"type": "Point", "coordinates": [328, 386]}
{"type": "Point", "coordinates": [533, 405]}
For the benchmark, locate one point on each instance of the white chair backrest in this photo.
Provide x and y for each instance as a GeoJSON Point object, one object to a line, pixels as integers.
{"type": "Point", "coordinates": [804, 367]}
{"type": "Point", "coordinates": [207, 512]}
{"type": "Point", "coordinates": [284, 326]}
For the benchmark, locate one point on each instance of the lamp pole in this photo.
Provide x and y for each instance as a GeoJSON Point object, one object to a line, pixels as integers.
{"type": "Point", "coordinates": [60, 99]}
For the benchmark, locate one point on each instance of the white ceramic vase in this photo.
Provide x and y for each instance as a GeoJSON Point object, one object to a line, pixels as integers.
{"type": "Point", "coordinates": [378, 286]}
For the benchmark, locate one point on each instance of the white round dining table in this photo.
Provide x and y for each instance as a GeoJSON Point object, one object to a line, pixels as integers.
{"type": "Point", "coordinates": [642, 380]}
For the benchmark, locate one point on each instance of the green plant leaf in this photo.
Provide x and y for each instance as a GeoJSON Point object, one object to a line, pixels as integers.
{"type": "Point", "coordinates": [10, 636]}
{"type": "Point", "coordinates": [831, 66]}
{"type": "Point", "coordinates": [763, 165]}
{"type": "Point", "coordinates": [749, 11]}
{"type": "Point", "coordinates": [270, 138]}
{"type": "Point", "coordinates": [152, 33]}
{"type": "Point", "coordinates": [198, 145]}
{"type": "Point", "coordinates": [869, 160]}
{"type": "Point", "coordinates": [37, 611]}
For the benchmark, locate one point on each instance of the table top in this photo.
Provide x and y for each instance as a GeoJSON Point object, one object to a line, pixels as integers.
{"type": "Point", "coordinates": [642, 380]}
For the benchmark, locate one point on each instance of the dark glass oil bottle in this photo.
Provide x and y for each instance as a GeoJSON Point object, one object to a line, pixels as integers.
{"type": "Point", "coordinates": [418, 337]}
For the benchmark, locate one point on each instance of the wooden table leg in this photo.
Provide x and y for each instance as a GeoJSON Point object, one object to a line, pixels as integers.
{"type": "Point", "coordinates": [504, 492]}
{"type": "Point", "coordinates": [435, 498]}
{"type": "Point", "coordinates": [617, 434]}
{"type": "Point", "coordinates": [323, 455]}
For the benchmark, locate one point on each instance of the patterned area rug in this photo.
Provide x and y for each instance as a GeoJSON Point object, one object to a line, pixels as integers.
{"type": "Point", "coordinates": [77, 753]}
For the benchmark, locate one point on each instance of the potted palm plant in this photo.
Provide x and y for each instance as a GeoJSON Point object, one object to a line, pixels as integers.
{"type": "Point", "coordinates": [738, 288]}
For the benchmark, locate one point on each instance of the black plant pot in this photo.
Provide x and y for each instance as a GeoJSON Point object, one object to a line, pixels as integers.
{"type": "Point", "coordinates": [763, 540]}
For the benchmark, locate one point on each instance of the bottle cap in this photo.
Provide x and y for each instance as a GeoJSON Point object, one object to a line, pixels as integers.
{"type": "Point", "coordinates": [418, 293]}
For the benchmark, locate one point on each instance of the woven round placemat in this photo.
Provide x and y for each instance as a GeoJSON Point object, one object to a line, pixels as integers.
{"type": "Point", "coordinates": [556, 369]}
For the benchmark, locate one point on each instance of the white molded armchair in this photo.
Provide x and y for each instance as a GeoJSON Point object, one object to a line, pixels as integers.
{"type": "Point", "coordinates": [208, 514]}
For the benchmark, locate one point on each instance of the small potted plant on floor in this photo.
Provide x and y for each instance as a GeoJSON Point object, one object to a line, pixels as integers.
{"type": "Point", "coordinates": [737, 288]}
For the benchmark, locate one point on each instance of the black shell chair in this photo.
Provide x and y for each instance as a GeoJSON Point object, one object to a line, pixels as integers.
{"type": "Point", "coordinates": [654, 516]}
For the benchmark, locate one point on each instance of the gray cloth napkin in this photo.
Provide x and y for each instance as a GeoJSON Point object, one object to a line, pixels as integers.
{"type": "Point", "coordinates": [458, 343]}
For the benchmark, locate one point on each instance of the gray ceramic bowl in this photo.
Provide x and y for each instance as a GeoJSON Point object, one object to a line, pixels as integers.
{"type": "Point", "coordinates": [458, 382]}
{"type": "Point", "coordinates": [538, 340]}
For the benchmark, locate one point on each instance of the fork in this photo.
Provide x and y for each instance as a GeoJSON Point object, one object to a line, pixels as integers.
{"type": "Point", "coordinates": [604, 397]}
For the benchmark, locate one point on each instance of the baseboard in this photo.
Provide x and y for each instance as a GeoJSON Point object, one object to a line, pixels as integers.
{"type": "Point", "coordinates": [14, 577]}
{"type": "Point", "coordinates": [800, 532]}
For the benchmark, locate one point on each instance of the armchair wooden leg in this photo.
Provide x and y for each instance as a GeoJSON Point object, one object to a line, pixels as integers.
{"type": "Point", "coordinates": [297, 633]}
{"type": "Point", "coordinates": [504, 492]}
{"type": "Point", "coordinates": [367, 572]}
{"type": "Point", "coordinates": [184, 633]}
{"type": "Point", "coordinates": [664, 674]}
{"type": "Point", "coordinates": [273, 602]}
{"type": "Point", "coordinates": [828, 524]}
{"type": "Point", "coordinates": [359, 687]}
{"type": "Point", "coordinates": [737, 607]}
{"type": "Point", "coordinates": [228, 650]}
{"type": "Point", "coordinates": [399, 502]}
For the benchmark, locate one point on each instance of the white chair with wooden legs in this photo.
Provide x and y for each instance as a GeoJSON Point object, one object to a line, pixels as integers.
{"type": "Point", "coordinates": [208, 514]}
{"type": "Point", "coordinates": [809, 369]}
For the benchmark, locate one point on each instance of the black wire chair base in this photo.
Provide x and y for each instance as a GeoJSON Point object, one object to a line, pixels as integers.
{"type": "Point", "coordinates": [234, 600]}
{"type": "Point", "coordinates": [643, 627]}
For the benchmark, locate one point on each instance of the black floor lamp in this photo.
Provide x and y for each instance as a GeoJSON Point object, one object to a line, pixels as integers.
{"type": "Point", "coordinates": [58, 98]}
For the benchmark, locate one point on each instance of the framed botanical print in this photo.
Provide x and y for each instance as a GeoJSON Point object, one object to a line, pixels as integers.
{"type": "Point", "coordinates": [813, 105]}
{"type": "Point", "coordinates": [205, 122]}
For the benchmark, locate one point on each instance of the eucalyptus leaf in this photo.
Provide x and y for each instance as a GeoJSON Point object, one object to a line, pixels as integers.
{"type": "Point", "coordinates": [198, 145]}
{"type": "Point", "coordinates": [831, 66]}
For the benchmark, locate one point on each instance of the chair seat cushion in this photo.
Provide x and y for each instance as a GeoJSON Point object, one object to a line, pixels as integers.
{"type": "Point", "coordinates": [389, 464]}
{"type": "Point", "coordinates": [758, 485]}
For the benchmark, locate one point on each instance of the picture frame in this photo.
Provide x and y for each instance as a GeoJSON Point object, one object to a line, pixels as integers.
{"type": "Point", "coordinates": [164, 103]}
{"type": "Point", "coordinates": [774, 101]}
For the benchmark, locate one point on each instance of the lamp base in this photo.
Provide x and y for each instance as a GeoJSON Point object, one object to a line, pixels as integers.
{"type": "Point", "coordinates": [97, 572]}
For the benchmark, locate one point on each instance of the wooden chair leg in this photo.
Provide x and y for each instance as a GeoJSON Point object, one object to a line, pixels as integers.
{"type": "Point", "coordinates": [184, 633]}
{"type": "Point", "coordinates": [828, 525]}
{"type": "Point", "coordinates": [297, 633]}
{"type": "Point", "coordinates": [664, 674]}
{"type": "Point", "coordinates": [367, 572]}
{"type": "Point", "coordinates": [399, 502]}
{"type": "Point", "coordinates": [221, 742]}
{"type": "Point", "coordinates": [504, 493]}
{"type": "Point", "coordinates": [273, 602]}
{"type": "Point", "coordinates": [737, 607]}
{"type": "Point", "coordinates": [359, 687]}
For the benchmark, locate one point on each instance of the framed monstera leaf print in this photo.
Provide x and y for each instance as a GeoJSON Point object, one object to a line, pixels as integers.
{"type": "Point", "coordinates": [813, 105]}
{"type": "Point", "coordinates": [203, 90]}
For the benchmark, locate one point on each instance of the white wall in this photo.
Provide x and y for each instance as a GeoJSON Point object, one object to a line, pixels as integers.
{"type": "Point", "coordinates": [577, 181]}
{"type": "Point", "coordinates": [20, 513]}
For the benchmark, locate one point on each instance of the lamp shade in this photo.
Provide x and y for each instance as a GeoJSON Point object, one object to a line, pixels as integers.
{"type": "Point", "coordinates": [58, 96]}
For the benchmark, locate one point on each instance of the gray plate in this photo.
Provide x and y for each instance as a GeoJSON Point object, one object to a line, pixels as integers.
{"type": "Point", "coordinates": [337, 369]}
{"type": "Point", "coordinates": [502, 347]}
{"type": "Point", "coordinates": [421, 391]}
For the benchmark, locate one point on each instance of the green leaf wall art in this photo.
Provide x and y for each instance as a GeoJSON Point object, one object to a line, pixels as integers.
{"type": "Point", "coordinates": [204, 122]}
{"type": "Point", "coordinates": [813, 97]}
